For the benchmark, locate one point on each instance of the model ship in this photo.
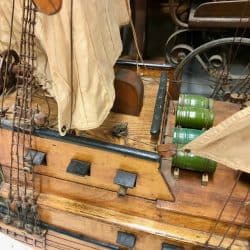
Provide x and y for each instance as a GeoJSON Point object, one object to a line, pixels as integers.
{"type": "Point", "coordinates": [76, 175]}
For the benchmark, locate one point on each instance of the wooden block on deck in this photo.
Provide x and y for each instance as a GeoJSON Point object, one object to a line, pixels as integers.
{"type": "Point", "coordinates": [129, 92]}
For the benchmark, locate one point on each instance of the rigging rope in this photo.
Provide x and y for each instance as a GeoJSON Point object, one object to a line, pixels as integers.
{"type": "Point", "coordinates": [232, 56]}
{"type": "Point", "coordinates": [71, 60]}
{"type": "Point", "coordinates": [223, 208]}
{"type": "Point", "coordinates": [242, 204]}
{"type": "Point", "coordinates": [8, 57]}
{"type": "Point", "coordinates": [238, 232]}
{"type": "Point", "coordinates": [23, 205]}
{"type": "Point", "coordinates": [134, 32]}
{"type": "Point", "coordinates": [230, 60]}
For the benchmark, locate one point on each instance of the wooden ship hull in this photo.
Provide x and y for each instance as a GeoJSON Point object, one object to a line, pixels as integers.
{"type": "Point", "coordinates": [94, 209]}
{"type": "Point", "coordinates": [113, 187]}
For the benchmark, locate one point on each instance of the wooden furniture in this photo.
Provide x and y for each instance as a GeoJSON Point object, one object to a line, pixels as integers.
{"type": "Point", "coordinates": [210, 14]}
{"type": "Point", "coordinates": [139, 17]}
{"type": "Point", "coordinates": [209, 28]}
{"type": "Point", "coordinates": [228, 14]}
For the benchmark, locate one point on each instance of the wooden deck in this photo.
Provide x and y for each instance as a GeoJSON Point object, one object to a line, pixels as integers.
{"type": "Point", "coordinates": [138, 126]}
{"type": "Point", "coordinates": [205, 201]}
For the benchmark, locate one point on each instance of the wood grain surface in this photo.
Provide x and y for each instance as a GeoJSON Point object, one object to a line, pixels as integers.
{"type": "Point", "coordinates": [105, 223]}
{"type": "Point", "coordinates": [138, 126]}
{"type": "Point", "coordinates": [205, 201]}
{"type": "Point", "coordinates": [104, 165]}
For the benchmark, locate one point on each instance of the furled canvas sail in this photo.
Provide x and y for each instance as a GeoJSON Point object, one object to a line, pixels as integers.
{"type": "Point", "coordinates": [227, 143]}
{"type": "Point", "coordinates": [85, 102]}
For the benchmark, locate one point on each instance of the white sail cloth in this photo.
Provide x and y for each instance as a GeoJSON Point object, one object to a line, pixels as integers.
{"type": "Point", "coordinates": [85, 103]}
{"type": "Point", "coordinates": [227, 143]}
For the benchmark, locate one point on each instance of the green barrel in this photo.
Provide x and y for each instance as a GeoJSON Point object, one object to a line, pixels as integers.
{"type": "Point", "coordinates": [196, 101]}
{"type": "Point", "coordinates": [192, 117]}
{"type": "Point", "coordinates": [185, 135]}
{"type": "Point", "coordinates": [185, 160]}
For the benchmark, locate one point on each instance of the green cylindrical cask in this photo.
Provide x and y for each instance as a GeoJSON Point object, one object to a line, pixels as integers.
{"type": "Point", "coordinates": [185, 135]}
{"type": "Point", "coordinates": [186, 160]}
{"type": "Point", "coordinates": [196, 101]}
{"type": "Point", "coordinates": [192, 117]}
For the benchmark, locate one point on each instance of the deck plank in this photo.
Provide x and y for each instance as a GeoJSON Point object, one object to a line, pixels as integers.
{"type": "Point", "coordinates": [205, 201]}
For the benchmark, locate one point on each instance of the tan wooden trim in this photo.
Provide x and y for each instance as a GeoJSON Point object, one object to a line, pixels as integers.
{"type": "Point", "coordinates": [104, 165]}
{"type": "Point", "coordinates": [100, 222]}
